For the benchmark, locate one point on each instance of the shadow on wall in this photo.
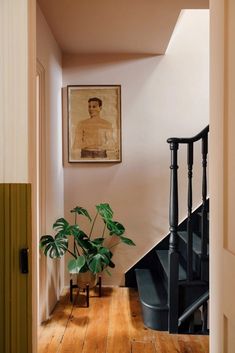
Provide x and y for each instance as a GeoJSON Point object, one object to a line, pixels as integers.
{"type": "Point", "coordinates": [83, 61]}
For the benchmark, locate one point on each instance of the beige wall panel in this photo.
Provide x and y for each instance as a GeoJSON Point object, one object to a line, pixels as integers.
{"type": "Point", "coordinates": [13, 91]}
{"type": "Point", "coordinates": [228, 285]}
{"type": "Point", "coordinates": [229, 195]}
{"type": "Point", "coordinates": [222, 172]}
{"type": "Point", "coordinates": [216, 172]}
{"type": "Point", "coordinates": [229, 337]}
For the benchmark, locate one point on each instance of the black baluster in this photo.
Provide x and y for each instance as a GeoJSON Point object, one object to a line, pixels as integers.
{"type": "Point", "coordinates": [189, 220]}
{"type": "Point", "coordinates": [87, 295]}
{"type": "Point", "coordinates": [204, 317]}
{"type": "Point", "coordinates": [71, 290]}
{"type": "Point", "coordinates": [204, 231]}
{"type": "Point", "coordinates": [100, 286]}
{"type": "Point", "coordinates": [173, 258]}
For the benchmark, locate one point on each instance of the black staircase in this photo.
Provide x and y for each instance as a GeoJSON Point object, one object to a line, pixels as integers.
{"type": "Point", "coordinates": [173, 278]}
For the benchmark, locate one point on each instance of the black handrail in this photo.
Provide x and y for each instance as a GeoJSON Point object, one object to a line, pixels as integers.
{"type": "Point", "coordinates": [189, 139]}
{"type": "Point", "coordinates": [193, 307]}
{"type": "Point", "coordinates": [173, 287]}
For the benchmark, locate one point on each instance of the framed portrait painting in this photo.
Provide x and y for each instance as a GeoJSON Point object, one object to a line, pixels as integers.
{"type": "Point", "coordinates": [94, 123]}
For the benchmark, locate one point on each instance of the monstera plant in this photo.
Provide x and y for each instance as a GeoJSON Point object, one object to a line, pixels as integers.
{"type": "Point", "coordinates": [89, 253]}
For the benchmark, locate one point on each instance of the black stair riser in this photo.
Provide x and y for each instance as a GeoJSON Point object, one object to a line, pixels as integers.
{"type": "Point", "coordinates": [155, 319]}
{"type": "Point", "coordinates": [153, 299]}
{"type": "Point", "coordinates": [197, 219]}
{"type": "Point", "coordinates": [162, 273]}
{"type": "Point", "coordinates": [196, 257]}
{"type": "Point", "coordinates": [206, 269]}
{"type": "Point", "coordinates": [163, 257]}
{"type": "Point", "coordinates": [149, 261]}
{"type": "Point", "coordinates": [196, 260]}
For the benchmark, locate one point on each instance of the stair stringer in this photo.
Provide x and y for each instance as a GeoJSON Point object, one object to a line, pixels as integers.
{"type": "Point", "coordinates": [148, 259]}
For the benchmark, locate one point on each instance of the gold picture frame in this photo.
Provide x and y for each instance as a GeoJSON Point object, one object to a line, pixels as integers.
{"type": "Point", "coordinates": [94, 123]}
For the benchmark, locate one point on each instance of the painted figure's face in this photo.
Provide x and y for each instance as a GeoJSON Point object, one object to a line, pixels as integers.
{"type": "Point", "coordinates": [94, 109]}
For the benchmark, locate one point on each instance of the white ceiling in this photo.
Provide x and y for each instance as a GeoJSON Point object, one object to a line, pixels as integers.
{"type": "Point", "coordinates": [114, 26]}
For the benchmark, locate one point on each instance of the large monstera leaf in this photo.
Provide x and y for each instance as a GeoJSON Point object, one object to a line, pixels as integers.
{"type": "Point", "coordinates": [82, 211]}
{"type": "Point", "coordinates": [105, 211]}
{"type": "Point", "coordinates": [99, 261]}
{"type": "Point", "coordinates": [76, 265]}
{"type": "Point", "coordinates": [83, 240]}
{"type": "Point", "coordinates": [127, 241]}
{"type": "Point", "coordinates": [96, 264]}
{"type": "Point", "coordinates": [97, 242]}
{"type": "Point", "coordinates": [115, 228]}
{"type": "Point", "coordinates": [54, 247]}
{"type": "Point", "coordinates": [64, 228]}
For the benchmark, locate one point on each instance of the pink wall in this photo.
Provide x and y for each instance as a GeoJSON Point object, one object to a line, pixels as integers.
{"type": "Point", "coordinates": [162, 96]}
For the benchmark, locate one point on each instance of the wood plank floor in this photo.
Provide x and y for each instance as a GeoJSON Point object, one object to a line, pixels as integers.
{"type": "Point", "coordinates": [112, 324]}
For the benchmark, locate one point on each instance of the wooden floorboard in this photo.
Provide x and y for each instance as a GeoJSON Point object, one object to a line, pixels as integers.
{"type": "Point", "coordinates": [51, 332]}
{"type": "Point", "coordinates": [143, 347]}
{"type": "Point", "coordinates": [112, 324]}
{"type": "Point", "coordinates": [118, 339]}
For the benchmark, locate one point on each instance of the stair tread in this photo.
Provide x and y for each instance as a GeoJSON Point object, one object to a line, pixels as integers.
{"type": "Point", "coordinates": [196, 241]}
{"type": "Point", "coordinates": [151, 289]}
{"type": "Point", "coordinates": [163, 257]}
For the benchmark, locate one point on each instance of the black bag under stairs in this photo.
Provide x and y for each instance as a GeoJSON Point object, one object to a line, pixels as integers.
{"type": "Point", "coordinates": [173, 278]}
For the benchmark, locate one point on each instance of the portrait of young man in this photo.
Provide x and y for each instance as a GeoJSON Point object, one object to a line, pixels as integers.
{"type": "Point", "coordinates": [94, 124]}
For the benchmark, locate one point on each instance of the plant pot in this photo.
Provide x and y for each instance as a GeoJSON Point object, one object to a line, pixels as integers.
{"type": "Point", "coordinates": [84, 278]}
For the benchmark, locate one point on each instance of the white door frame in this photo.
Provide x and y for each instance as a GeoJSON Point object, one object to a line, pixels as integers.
{"type": "Point", "coordinates": [32, 162]}
{"type": "Point", "coordinates": [41, 192]}
{"type": "Point", "coordinates": [222, 176]}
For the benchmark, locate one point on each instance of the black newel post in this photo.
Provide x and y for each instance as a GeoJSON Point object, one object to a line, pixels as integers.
{"type": "Point", "coordinates": [189, 220]}
{"type": "Point", "coordinates": [173, 257]}
{"type": "Point", "coordinates": [204, 231]}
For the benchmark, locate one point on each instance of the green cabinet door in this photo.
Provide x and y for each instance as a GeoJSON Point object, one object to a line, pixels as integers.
{"type": "Point", "coordinates": [15, 286]}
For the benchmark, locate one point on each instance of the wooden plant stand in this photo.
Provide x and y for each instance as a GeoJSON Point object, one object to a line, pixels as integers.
{"type": "Point", "coordinates": [87, 290]}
